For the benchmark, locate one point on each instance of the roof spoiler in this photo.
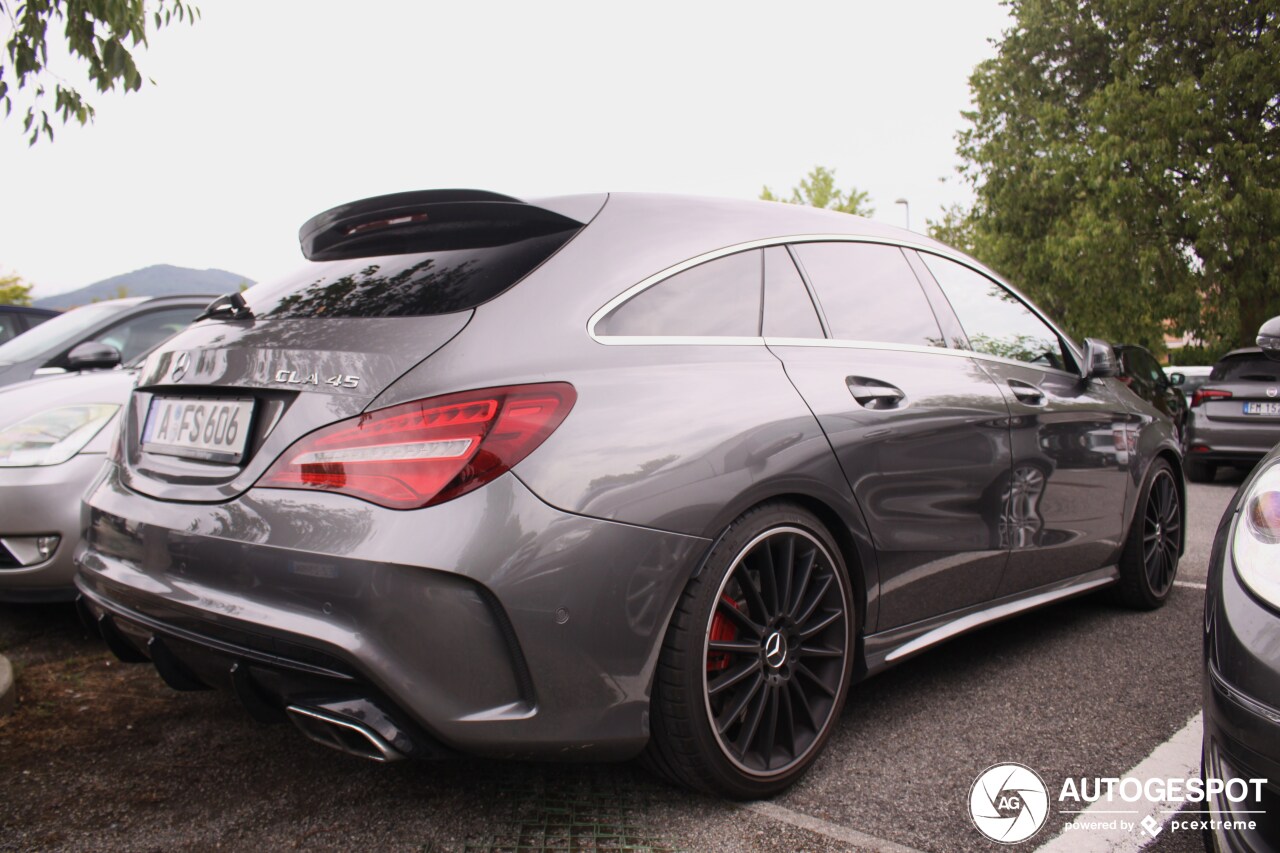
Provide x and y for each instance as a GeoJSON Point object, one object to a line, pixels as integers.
{"type": "Point", "coordinates": [425, 221]}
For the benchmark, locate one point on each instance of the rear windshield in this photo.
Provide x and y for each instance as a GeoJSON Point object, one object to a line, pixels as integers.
{"type": "Point", "coordinates": [412, 285]}
{"type": "Point", "coordinates": [1246, 368]}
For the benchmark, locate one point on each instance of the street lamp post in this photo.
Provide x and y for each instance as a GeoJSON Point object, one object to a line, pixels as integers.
{"type": "Point", "coordinates": [907, 206]}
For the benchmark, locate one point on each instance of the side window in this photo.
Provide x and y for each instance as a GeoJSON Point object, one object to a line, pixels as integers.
{"type": "Point", "coordinates": [142, 333]}
{"type": "Point", "coordinates": [720, 298]}
{"type": "Point", "coordinates": [788, 309]}
{"type": "Point", "coordinates": [995, 321]}
{"type": "Point", "coordinates": [869, 293]}
{"type": "Point", "coordinates": [9, 327]}
{"type": "Point", "coordinates": [1145, 366]}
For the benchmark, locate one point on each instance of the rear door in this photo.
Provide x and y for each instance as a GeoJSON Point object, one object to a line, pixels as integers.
{"type": "Point", "coordinates": [1070, 439]}
{"type": "Point", "coordinates": [920, 431]}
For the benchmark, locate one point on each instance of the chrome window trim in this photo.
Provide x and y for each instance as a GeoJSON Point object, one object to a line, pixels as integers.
{"type": "Point", "coordinates": [895, 347]}
{"type": "Point", "coordinates": [841, 343]}
{"type": "Point", "coordinates": [940, 251]}
{"type": "Point", "coordinates": [682, 340]}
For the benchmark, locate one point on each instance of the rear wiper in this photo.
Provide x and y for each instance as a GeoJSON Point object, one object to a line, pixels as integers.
{"type": "Point", "coordinates": [229, 307]}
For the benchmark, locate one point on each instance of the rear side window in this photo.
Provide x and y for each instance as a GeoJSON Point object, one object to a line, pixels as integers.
{"type": "Point", "coordinates": [720, 298]}
{"type": "Point", "coordinates": [142, 333]}
{"type": "Point", "coordinates": [869, 293]}
{"type": "Point", "coordinates": [994, 319]}
{"type": "Point", "coordinates": [1136, 362]}
{"type": "Point", "coordinates": [63, 330]}
{"type": "Point", "coordinates": [788, 309]}
{"type": "Point", "coordinates": [9, 327]}
{"type": "Point", "coordinates": [1246, 368]}
{"type": "Point", "coordinates": [411, 285]}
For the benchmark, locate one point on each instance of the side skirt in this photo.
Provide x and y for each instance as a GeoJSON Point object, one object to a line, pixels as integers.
{"type": "Point", "coordinates": [897, 644]}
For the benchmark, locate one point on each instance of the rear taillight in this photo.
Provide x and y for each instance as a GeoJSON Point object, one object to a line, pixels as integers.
{"type": "Point", "coordinates": [426, 452]}
{"type": "Point", "coordinates": [1202, 394]}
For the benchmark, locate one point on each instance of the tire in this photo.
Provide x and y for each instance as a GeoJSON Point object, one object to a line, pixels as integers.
{"type": "Point", "coordinates": [1201, 472]}
{"type": "Point", "coordinates": [756, 662]}
{"type": "Point", "coordinates": [1149, 562]}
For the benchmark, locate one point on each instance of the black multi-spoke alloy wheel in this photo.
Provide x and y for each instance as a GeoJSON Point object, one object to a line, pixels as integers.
{"type": "Point", "coordinates": [1149, 562]}
{"type": "Point", "coordinates": [756, 663]}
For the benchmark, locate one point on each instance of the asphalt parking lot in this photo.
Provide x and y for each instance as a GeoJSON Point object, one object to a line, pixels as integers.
{"type": "Point", "coordinates": [100, 755]}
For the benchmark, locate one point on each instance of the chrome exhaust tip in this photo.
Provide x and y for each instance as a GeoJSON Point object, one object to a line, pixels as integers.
{"type": "Point", "coordinates": [343, 734]}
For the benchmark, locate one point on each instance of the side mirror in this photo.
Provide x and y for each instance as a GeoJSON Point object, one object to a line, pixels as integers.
{"type": "Point", "coordinates": [1269, 338]}
{"type": "Point", "coordinates": [1099, 359]}
{"type": "Point", "coordinates": [93, 355]}
{"type": "Point", "coordinates": [1177, 378]}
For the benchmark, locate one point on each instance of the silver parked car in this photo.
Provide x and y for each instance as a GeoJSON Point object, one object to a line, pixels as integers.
{"type": "Point", "coordinates": [54, 436]}
{"type": "Point", "coordinates": [601, 476]}
{"type": "Point", "coordinates": [103, 333]}
{"type": "Point", "coordinates": [1235, 415]}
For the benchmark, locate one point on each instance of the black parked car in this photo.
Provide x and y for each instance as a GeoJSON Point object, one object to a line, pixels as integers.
{"type": "Point", "coordinates": [1138, 369]}
{"type": "Point", "coordinates": [600, 476]}
{"type": "Point", "coordinates": [1242, 656]}
{"type": "Point", "coordinates": [16, 319]}
{"type": "Point", "coordinates": [116, 331]}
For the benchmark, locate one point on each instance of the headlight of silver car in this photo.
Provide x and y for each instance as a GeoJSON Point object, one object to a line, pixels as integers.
{"type": "Point", "coordinates": [1256, 548]}
{"type": "Point", "coordinates": [54, 436]}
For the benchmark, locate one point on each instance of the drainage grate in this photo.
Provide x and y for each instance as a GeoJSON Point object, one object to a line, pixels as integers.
{"type": "Point", "coordinates": [576, 811]}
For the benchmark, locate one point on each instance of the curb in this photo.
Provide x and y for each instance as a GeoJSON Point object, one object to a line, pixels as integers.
{"type": "Point", "coordinates": [8, 697]}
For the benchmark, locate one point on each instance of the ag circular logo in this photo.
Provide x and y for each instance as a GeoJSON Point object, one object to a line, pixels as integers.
{"type": "Point", "coordinates": [1009, 803]}
{"type": "Point", "coordinates": [180, 365]}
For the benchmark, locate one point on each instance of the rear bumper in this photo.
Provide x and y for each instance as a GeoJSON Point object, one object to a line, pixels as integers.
{"type": "Point", "coordinates": [1230, 441]}
{"type": "Point", "coordinates": [40, 502]}
{"type": "Point", "coordinates": [493, 624]}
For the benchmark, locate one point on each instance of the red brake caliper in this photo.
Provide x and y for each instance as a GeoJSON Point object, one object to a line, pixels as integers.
{"type": "Point", "coordinates": [722, 630]}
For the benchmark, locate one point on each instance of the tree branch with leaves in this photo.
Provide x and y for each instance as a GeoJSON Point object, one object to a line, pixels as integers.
{"type": "Point", "coordinates": [14, 291]}
{"type": "Point", "coordinates": [102, 36]}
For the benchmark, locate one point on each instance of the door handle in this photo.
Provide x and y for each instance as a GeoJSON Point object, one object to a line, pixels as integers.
{"type": "Point", "coordinates": [1026, 393]}
{"type": "Point", "coordinates": [874, 394]}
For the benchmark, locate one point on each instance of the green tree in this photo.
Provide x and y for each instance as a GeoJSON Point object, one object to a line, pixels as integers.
{"type": "Point", "coordinates": [1124, 159]}
{"type": "Point", "coordinates": [818, 189]}
{"type": "Point", "coordinates": [955, 228]}
{"type": "Point", "coordinates": [14, 291]}
{"type": "Point", "coordinates": [100, 35]}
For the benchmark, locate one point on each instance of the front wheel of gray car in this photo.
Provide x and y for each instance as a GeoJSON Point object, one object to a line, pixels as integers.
{"type": "Point", "coordinates": [756, 663]}
{"type": "Point", "coordinates": [1149, 562]}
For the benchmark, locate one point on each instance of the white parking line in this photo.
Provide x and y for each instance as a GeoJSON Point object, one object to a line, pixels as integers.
{"type": "Point", "coordinates": [1176, 758]}
{"type": "Point", "coordinates": [1190, 584]}
{"type": "Point", "coordinates": [835, 831]}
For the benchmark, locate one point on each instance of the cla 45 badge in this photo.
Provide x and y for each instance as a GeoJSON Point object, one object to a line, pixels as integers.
{"type": "Point", "coordinates": [294, 377]}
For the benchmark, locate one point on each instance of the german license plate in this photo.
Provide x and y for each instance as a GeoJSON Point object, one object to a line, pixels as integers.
{"type": "Point", "coordinates": [1262, 408]}
{"type": "Point", "coordinates": [198, 427]}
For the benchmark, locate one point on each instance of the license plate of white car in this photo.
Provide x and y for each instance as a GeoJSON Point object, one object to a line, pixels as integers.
{"type": "Point", "coordinates": [198, 427]}
{"type": "Point", "coordinates": [1262, 408]}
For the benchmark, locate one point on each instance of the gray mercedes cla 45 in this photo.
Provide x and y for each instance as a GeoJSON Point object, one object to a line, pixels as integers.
{"type": "Point", "coordinates": [607, 476]}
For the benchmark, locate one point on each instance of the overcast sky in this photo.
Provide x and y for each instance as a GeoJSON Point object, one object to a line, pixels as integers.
{"type": "Point", "coordinates": [265, 113]}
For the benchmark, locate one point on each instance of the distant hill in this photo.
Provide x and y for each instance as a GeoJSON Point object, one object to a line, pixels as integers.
{"type": "Point", "coordinates": [157, 280]}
